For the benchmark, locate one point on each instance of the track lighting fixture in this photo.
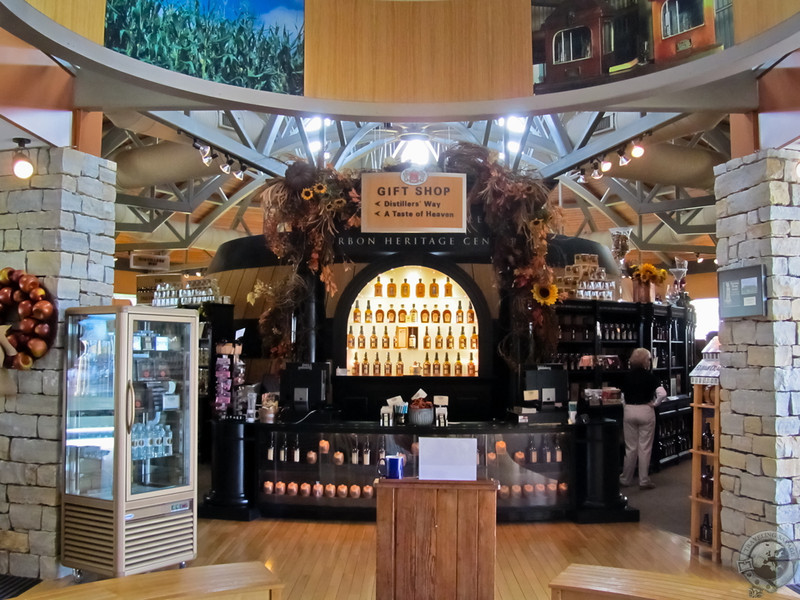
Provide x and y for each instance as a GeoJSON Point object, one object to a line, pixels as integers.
{"type": "Point", "coordinates": [209, 158]}
{"type": "Point", "coordinates": [581, 177]}
{"type": "Point", "coordinates": [699, 258]}
{"type": "Point", "coordinates": [239, 173]}
{"type": "Point", "coordinates": [637, 150]}
{"type": "Point", "coordinates": [623, 160]}
{"type": "Point", "coordinates": [605, 165]}
{"type": "Point", "coordinates": [21, 164]}
{"type": "Point", "coordinates": [596, 174]}
{"type": "Point", "coordinates": [226, 166]}
{"type": "Point", "coordinates": [203, 149]}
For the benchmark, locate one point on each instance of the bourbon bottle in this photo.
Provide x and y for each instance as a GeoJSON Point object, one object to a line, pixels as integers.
{"type": "Point", "coordinates": [405, 289]}
{"type": "Point", "coordinates": [426, 366]}
{"type": "Point", "coordinates": [391, 289]}
{"type": "Point", "coordinates": [459, 313]}
{"type": "Point", "coordinates": [448, 289]}
{"type": "Point", "coordinates": [458, 366]}
{"type": "Point", "coordinates": [446, 366]}
{"type": "Point", "coordinates": [420, 289]}
{"type": "Point", "coordinates": [351, 339]}
{"type": "Point", "coordinates": [368, 314]}
{"type": "Point", "coordinates": [356, 313]}
{"type": "Point", "coordinates": [434, 289]}
{"type": "Point", "coordinates": [437, 366]}
{"type": "Point", "coordinates": [378, 289]}
{"type": "Point", "coordinates": [470, 314]}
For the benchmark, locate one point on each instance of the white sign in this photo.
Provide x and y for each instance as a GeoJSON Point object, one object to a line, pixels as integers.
{"type": "Point", "coordinates": [448, 459]}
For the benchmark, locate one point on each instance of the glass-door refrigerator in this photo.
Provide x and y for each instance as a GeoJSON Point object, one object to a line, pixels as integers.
{"type": "Point", "coordinates": [130, 425]}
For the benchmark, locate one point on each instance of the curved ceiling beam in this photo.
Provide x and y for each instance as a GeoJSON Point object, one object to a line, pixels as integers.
{"type": "Point", "coordinates": [107, 79]}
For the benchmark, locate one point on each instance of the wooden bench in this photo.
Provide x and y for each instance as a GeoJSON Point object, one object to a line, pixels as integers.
{"type": "Point", "coordinates": [590, 582]}
{"type": "Point", "coordinates": [236, 581]}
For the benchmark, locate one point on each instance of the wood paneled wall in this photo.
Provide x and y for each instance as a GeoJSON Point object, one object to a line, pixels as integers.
{"type": "Point", "coordinates": [751, 17]}
{"type": "Point", "coordinates": [418, 51]}
{"type": "Point", "coordinates": [85, 17]}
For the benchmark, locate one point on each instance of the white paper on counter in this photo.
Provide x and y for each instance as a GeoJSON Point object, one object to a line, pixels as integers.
{"type": "Point", "coordinates": [448, 459]}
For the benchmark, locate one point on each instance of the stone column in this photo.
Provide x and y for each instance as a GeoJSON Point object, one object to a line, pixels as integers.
{"type": "Point", "coordinates": [58, 225]}
{"type": "Point", "coordinates": [758, 222]}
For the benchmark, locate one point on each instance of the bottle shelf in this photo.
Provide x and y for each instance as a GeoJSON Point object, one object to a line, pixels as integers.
{"type": "Point", "coordinates": [705, 509]}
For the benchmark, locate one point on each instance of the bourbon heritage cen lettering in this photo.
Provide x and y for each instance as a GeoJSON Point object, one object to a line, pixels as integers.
{"type": "Point", "coordinates": [440, 241]}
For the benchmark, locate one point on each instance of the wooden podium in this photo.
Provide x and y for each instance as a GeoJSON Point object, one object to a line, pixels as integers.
{"type": "Point", "coordinates": [435, 539]}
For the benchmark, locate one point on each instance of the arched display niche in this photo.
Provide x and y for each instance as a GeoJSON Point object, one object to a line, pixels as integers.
{"type": "Point", "coordinates": [471, 398]}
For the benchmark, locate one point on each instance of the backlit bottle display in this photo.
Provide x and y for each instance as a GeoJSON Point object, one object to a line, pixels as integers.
{"type": "Point", "coordinates": [426, 297]}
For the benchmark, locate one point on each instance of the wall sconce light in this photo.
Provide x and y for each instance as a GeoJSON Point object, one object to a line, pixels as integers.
{"type": "Point", "coordinates": [21, 164]}
{"type": "Point", "coordinates": [623, 160]}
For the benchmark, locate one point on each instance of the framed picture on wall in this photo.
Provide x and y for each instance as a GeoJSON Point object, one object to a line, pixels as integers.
{"type": "Point", "coordinates": [742, 292]}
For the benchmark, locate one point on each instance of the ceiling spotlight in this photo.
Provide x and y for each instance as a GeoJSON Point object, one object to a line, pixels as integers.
{"type": "Point", "coordinates": [699, 258]}
{"type": "Point", "coordinates": [596, 174]}
{"type": "Point", "coordinates": [605, 165]}
{"type": "Point", "coordinates": [21, 163]}
{"type": "Point", "coordinates": [637, 150]}
{"type": "Point", "coordinates": [239, 173]}
{"type": "Point", "coordinates": [209, 158]}
{"type": "Point", "coordinates": [623, 160]}
{"type": "Point", "coordinates": [226, 166]}
{"type": "Point", "coordinates": [203, 149]}
{"type": "Point", "coordinates": [581, 177]}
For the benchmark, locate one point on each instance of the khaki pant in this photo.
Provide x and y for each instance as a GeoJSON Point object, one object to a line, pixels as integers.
{"type": "Point", "coordinates": [639, 427]}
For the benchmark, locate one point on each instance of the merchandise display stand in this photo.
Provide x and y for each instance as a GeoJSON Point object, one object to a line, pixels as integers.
{"type": "Point", "coordinates": [705, 500]}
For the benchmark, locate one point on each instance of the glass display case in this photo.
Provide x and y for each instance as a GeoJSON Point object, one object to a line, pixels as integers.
{"type": "Point", "coordinates": [328, 470]}
{"type": "Point", "coordinates": [129, 429]}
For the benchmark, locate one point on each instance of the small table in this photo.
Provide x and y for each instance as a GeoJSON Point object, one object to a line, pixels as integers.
{"type": "Point", "coordinates": [435, 539]}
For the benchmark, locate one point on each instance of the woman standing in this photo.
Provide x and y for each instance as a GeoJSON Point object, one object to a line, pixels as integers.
{"type": "Point", "coordinates": [642, 392]}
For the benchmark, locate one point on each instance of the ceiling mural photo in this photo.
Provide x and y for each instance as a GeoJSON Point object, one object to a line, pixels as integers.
{"type": "Point", "coordinates": [255, 44]}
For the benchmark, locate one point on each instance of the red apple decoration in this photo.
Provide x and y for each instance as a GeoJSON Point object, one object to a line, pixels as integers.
{"type": "Point", "coordinates": [38, 347]}
{"type": "Point", "coordinates": [18, 296]}
{"type": "Point", "coordinates": [42, 330]}
{"type": "Point", "coordinates": [42, 310]}
{"type": "Point", "coordinates": [13, 339]}
{"type": "Point", "coordinates": [5, 275]}
{"type": "Point", "coordinates": [28, 282]}
{"type": "Point", "coordinates": [22, 361]}
{"type": "Point", "coordinates": [25, 308]}
{"type": "Point", "coordinates": [37, 293]}
{"type": "Point", "coordinates": [6, 295]}
{"type": "Point", "coordinates": [26, 325]}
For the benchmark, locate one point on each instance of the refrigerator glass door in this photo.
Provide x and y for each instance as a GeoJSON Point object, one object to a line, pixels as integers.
{"type": "Point", "coordinates": [90, 410]}
{"type": "Point", "coordinates": [160, 394]}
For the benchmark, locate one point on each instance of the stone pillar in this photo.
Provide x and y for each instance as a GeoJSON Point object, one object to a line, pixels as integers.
{"type": "Point", "coordinates": [58, 225]}
{"type": "Point", "coordinates": [758, 222]}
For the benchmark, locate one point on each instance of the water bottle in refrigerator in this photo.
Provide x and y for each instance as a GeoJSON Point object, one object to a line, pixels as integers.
{"type": "Point", "coordinates": [167, 440]}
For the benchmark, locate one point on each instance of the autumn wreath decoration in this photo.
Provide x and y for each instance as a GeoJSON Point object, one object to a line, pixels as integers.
{"type": "Point", "coordinates": [304, 211]}
{"type": "Point", "coordinates": [28, 318]}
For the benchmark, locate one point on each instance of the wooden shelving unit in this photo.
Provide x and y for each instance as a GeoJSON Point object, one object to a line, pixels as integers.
{"type": "Point", "coordinates": [705, 404]}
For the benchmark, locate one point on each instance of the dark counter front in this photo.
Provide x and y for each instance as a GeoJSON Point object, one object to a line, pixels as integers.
{"type": "Point", "coordinates": [313, 470]}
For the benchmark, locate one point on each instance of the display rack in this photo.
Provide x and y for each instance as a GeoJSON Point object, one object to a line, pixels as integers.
{"type": "Point", "coordinates": [705, 498]}
{"type": "Point", "coordinates": [412, 320]}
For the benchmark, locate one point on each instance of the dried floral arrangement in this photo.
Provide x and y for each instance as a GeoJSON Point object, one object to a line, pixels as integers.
{"type": "Point", "coordinates": [304, 211]}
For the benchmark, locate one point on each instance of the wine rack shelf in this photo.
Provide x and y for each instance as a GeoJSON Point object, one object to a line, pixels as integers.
{"type": "Point", "coordinates": [705, 500]}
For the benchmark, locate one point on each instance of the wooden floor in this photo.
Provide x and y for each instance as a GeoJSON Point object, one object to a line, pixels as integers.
{"type": "Point", "coordinates": [336, 561]}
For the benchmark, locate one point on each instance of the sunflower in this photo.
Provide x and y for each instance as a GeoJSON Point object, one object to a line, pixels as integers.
{"type": "Point", "coordinates": [306, 194]}
{"type": "Point", "coordinates": [546, 295]}
{"type": "Point", "coordinates": [320, 188]}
